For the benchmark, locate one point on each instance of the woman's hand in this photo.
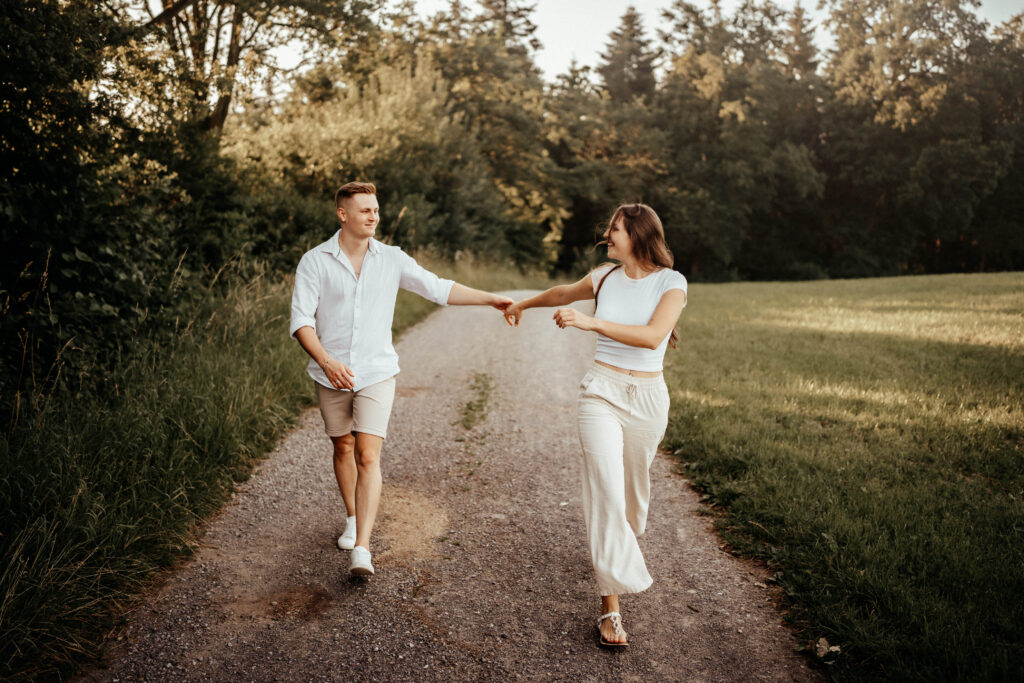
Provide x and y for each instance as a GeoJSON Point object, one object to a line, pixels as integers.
{"type": "Point", "coordinates": [513, 313]}
{"type": "Point", "coordinates": [570, 317]}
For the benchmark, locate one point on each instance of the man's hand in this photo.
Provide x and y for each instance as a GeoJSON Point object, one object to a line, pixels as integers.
{"type": "Point", "coordinates": [569, 317]}
{"type": "Point", "coordinates": [513, 314]}
{"type": "Point", "coordinates": [339, 374]}
{"type": "Point", "coordinates": [461, 295]}
{"type": "Point", "coordinates": [501, 302]}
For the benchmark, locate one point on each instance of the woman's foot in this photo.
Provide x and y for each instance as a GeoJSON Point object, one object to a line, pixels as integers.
{"type": "Point", "coordinates": [612, 633]}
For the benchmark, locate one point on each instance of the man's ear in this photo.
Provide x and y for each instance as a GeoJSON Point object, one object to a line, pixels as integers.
{"type": "Point", "coordinates": [341, 214]}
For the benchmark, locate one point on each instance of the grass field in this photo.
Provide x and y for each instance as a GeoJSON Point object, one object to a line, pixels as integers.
{"type": "Point", "coordinates": [866, 439]}
{"type": "Point", "coordinates": [101, 490]}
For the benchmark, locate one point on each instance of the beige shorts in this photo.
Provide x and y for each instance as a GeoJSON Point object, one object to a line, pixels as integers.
{"type": "Point", "coordinates": [367, 410]}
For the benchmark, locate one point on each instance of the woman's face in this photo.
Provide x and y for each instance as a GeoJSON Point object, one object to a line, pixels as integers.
{"type": "Point", "coordinates": [620, 246]}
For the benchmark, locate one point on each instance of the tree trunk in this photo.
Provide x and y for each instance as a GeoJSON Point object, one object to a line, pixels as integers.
{"type": "Point", "coordinates": [223, 106]}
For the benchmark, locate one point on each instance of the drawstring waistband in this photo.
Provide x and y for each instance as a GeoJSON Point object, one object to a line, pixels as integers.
{"type": "Point", "coordinates": [628, 380]}
{"type": "Point", "coordinates": [631, 383]}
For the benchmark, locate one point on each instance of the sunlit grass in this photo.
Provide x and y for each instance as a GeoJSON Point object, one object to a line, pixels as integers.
{"type": "Point", "coordinates": [867, 439]}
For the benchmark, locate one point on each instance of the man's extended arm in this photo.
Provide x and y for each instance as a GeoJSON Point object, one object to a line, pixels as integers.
{"type": "Point", "coordinates": [419, 280]}
{"type": "Point", "coordinates": [461, 295]}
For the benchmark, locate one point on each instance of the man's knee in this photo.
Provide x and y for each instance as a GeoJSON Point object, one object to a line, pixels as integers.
{"type": "Point", "coordinates": [368, 451]}
{"type": "Point", "coordinates": [343, 445]}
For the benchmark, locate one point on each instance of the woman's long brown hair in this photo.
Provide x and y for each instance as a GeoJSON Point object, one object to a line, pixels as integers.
{"type": "Point", "coordinates": [646, 232]}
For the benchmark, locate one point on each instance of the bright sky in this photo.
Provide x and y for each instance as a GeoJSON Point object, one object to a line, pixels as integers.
{"type": "Point", "coordinates": [579, 28]}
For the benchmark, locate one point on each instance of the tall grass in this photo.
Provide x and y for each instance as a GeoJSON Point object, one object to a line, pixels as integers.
{"type": "Point", "coordinates": [101, 489]}
{"type": "Point", "coordinates": [866, 439]}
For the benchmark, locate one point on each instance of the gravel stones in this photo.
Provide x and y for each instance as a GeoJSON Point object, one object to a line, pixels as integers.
{"type": "Point", "coordinates": [482, 568]}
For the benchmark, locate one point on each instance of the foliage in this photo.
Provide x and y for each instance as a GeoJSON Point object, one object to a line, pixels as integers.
{"type": "Point", "coordinates": [910, 159]}
{"type": "Point", "coordinates": [216, 47]}
{"type": "Point", "coordinates": [496, 88]}
{"type": "Point", "coordinates": [395, 129]}
{"type": "Point", "coordinates": [100, 488]}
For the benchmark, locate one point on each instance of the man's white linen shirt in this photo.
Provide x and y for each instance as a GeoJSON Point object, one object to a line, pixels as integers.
{"type": "Point", "coordinates": [352, 315]}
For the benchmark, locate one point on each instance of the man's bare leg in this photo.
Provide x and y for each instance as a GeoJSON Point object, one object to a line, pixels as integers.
{"type": "Point", "coordinates": [345, 470]}
{"type": "Point", "coordinates": [368, 483]}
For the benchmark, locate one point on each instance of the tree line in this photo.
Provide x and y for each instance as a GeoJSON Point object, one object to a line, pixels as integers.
{"type": "Point", "coordinates": [150, 146]}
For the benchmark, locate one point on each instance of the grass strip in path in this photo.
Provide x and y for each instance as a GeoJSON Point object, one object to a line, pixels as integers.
{"type": "Point", "coordinates": [866, 439]}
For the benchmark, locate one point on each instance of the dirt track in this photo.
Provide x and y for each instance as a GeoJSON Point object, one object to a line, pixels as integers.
{"type": "Point", "coordinates": [482, 569]}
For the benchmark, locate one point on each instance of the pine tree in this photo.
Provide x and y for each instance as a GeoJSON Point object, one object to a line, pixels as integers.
{"type": "Point", "coordinates": [512, 19]}
{"type": "Point", "coordinates": [628, 66]}
{"type": "Point", "coordinates": [801, 56]}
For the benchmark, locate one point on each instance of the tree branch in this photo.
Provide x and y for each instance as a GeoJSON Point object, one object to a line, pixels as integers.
{"type": "Point", "coordinates": [168, 14]}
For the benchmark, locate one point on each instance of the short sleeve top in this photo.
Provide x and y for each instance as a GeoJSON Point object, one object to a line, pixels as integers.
{"type": "Point", "coordinates": [627, 301]}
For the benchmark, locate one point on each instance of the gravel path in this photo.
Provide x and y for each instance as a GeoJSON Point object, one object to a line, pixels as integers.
{"type": "Point", "coordinates": [482, 568]}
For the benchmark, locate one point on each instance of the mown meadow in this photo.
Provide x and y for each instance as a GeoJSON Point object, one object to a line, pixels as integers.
{"type": "Point", "coordinates": [101, 489]}
{"type": "Point", "coordinates": [865, 439]}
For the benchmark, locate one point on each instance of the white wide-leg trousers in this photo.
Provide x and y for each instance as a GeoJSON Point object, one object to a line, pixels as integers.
{"type": "Point", "coordinates": [621, 421]}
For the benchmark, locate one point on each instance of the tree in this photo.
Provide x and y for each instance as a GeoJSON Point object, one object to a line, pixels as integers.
{"type": "Point", "coordinates": [741, 181]}
{"type": "Point", "coordinates": [606, 152]}
{"type": "Point", "coordinates": [218, 47]}
{"type": "Point", "coordinates": [512, 20]}
{"type": "Point", "coordinates": [799, 52]}
{"type": "Point", "coordinates": [904, 149]}
{"type": "Point", "coordinates": [398, 129]}
{"type": "Point", "coordinates": [627, 68]}
{"type": "Point", "coordinates": [995, 80]}
{"type": "Point", "coordinates": [497, 90]}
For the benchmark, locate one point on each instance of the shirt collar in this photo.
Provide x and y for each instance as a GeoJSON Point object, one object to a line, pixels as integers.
{"type": "Point", "coordinates": [332, 245]}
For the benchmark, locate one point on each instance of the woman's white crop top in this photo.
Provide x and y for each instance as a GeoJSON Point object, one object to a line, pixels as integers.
{"type": "Point", "coordinates": [632, 302]}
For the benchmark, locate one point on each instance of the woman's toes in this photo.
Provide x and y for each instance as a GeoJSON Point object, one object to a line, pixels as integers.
{"type": "Point", "coordinates": [608, 631]}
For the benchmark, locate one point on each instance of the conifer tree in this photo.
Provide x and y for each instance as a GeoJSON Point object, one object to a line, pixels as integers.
{"type": "Point", "coordinates": [799, 51]}
{"type": "Point", "coordinates": [627, 70]}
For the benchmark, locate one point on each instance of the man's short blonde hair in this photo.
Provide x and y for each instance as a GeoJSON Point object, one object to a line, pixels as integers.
{"type": "Point", "coordinates": [349, 189]}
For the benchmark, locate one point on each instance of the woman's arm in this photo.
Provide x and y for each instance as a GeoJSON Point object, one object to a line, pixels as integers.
{"type": "Point", "coordinates": [556, 296]}
{"type": "Point", "coordinates": [648, 336]}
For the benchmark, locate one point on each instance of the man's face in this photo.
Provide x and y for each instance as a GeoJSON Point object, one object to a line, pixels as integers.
{"type": "Point", "coordinates": [359, 215]}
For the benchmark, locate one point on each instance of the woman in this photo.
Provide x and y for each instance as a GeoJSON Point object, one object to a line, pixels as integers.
{"type": "Point", "coordinates": [623, 405]}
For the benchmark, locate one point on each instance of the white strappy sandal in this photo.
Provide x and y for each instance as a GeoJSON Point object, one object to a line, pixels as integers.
{"type": "Point", "coordinates": [616, 624]}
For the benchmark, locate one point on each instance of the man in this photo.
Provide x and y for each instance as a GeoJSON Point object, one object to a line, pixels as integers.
{"type": "Point", "coordinates": [342, 308]}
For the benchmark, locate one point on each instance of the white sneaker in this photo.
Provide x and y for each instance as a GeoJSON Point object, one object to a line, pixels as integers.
{"type": "Point", "coordinates": [359, 563]}
{"type": "Point", "coordinates": [347, 540]}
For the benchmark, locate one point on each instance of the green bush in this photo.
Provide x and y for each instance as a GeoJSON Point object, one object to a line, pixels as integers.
{"type": "Point", "coordinates": [103, 486]}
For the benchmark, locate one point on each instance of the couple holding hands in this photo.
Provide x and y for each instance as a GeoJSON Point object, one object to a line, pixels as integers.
{"type": "Point", "coordinates": [342, 309]}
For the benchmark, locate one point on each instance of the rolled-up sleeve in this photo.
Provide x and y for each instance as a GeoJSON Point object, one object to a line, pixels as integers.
{"type": "Point", "coordinates": [419, 280]}
{"type": "Point", "coordinates": [305, 295]}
